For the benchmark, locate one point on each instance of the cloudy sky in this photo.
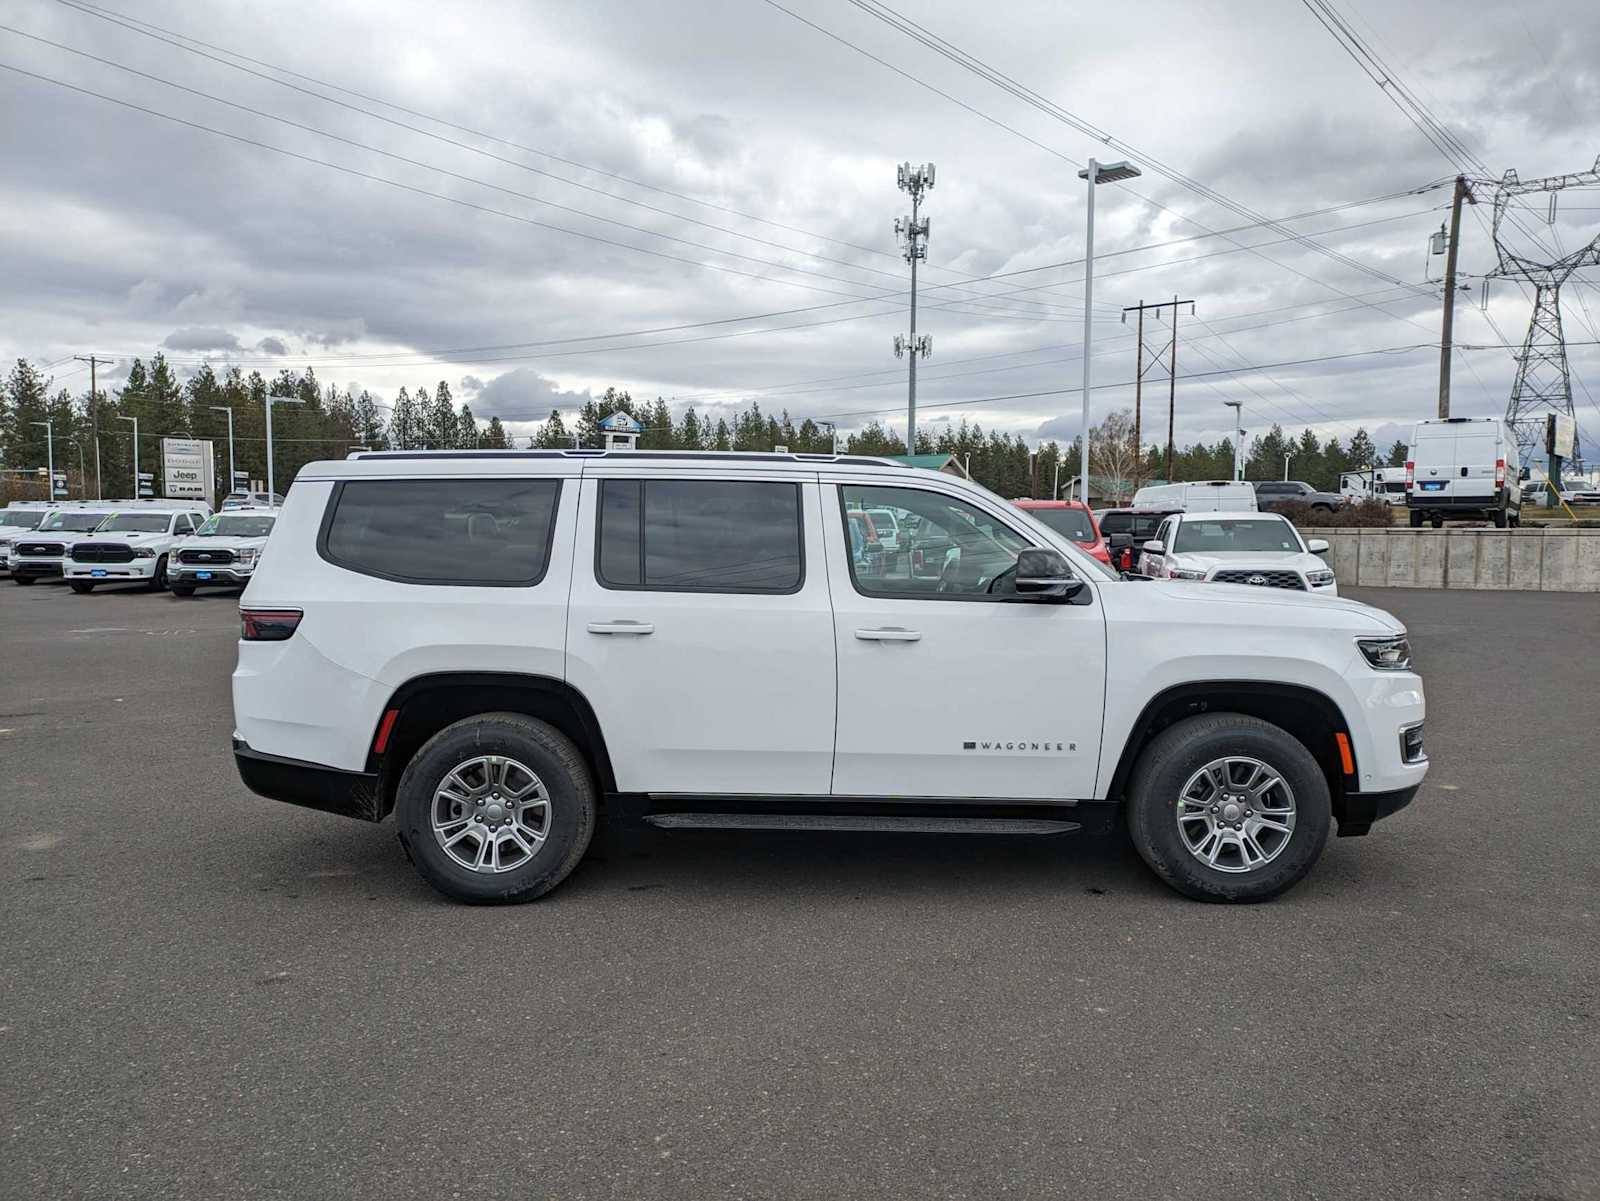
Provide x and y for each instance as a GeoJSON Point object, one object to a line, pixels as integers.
{"type": "Point", "coordinates": [695, 198]}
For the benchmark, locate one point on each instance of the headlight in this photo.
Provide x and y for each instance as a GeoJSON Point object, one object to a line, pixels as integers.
{"type": "Point", "coordinates": [1319, 579]}
{"type": "Point", "coordinates": [1183, 573]}
{"type": "Point", "coordinates": [1387, 654]}
{"type": "Point", "coordinates": [247, 557]}
{"type": "Point", "coordinates": [143, 552]}
{"type": "Point", "coordinates": [5, 544]}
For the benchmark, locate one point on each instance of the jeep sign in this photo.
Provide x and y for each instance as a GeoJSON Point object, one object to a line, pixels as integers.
{"type": "Point", "coordinates": [186, 469]}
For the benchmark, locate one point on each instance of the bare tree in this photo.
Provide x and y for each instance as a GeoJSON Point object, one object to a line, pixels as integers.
{"type": "Point", "coordinates": [1113, 453]}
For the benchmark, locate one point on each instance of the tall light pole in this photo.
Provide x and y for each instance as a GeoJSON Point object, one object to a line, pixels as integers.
{"type": "Point", "coordinates": [283, 400]}
{"type": "Point", "coordinates": [1286, 459]}
{"type": "Point", "coordinates": [135, 422]}
{"type": "Point", "coordinates": [83, 477]}
{"type": "Point", "coordinates": [50, 458]}
{"type": "Point", "coordinates": [94, 418]}
{"type": "Point", "coordinates": [1238, 436]}
{"type": "Point", "coordinates": [915, 231]}
{"type": "Point", "coordinates": [233, 478]}
{"type": "Point", "coordinates": [1094, 173]}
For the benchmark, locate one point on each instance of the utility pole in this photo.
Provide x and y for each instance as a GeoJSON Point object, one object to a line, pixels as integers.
{"type": "Point", "coordinates": [1238, 439]}
{"type": "Point", "coordinates": [1446, 333]}
{"type": "Point", "coordinates": [50, 457]}
{"type": "Point", "coordinates": [1162, 353]}
{"type": "Point", "coordinates": [233, 474]}
{"type": "Point", "coordinates": [914, 229]}
{"type": "Point", "coordinates": [94, 418]}
{"type": "Point", "coordinates": [134, 421]}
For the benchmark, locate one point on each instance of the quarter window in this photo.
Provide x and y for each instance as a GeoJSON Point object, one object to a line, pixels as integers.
{"type": "Point", "coordinates": [949, 550]}
{"type": "Point", "coordinates": [484, 532]}
{"type": "Point", "coordinates": [700, 536]}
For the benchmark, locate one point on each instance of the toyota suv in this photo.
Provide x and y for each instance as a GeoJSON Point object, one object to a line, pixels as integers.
{"type": "Point", "coordinates": [221, 553]}
{"type": "Point", "coordinates": [492, 646]}
{"type": "Point", "coordinates": [132, 546]}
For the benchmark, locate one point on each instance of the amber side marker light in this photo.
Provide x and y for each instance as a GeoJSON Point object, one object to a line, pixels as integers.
{"type": "Point", "coordinates": [1347, 761]}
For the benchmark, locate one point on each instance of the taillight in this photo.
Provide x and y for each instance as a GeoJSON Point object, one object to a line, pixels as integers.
{"type": "Point", "coordinates": [1499, 471]}
{"type": "Point", "coordinates": [268, 625]}
{"type": "Point", "coordinates": [1411, 474]}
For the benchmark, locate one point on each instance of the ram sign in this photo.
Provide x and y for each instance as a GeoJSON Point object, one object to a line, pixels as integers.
{"type": "Point", "coordinates": [186, 469]}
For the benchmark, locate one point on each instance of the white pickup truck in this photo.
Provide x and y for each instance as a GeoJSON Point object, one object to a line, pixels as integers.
{"type": "Point", "coordinates": [495, 645]}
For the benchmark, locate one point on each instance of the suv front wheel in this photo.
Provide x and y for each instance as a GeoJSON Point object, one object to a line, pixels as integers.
{"type": "Point", "coordinates": [496, 808]}
{"type": "Point", "coordinates": [1226, 807]}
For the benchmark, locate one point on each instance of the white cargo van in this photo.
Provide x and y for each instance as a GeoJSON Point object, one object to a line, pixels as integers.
{"type": "Point", "coordinates": [1198, 496]}
{"type": "Point", "coordinates": [1463, 467]}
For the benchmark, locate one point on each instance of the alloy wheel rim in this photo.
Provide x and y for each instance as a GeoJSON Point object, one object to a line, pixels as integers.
{"type": "Point", "coordinates": [1236, 814]}
{"type": "Point", "coordinates": [491, 814]}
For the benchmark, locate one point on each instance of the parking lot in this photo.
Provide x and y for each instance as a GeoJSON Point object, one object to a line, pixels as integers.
{"type": "Point", "coordinates": [204, 994]}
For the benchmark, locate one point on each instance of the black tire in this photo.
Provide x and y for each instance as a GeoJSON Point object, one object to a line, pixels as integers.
{"type": "Point", "coordinates": [1168, 762]}
{"type": "Point", "coordinates": [1416, 519]}
{"type": "Point", "coordinates": [1438, 523]}
{"type": "Point", "coordinates": [1501, 517]}
{"type": "Point", "coordinates": [25, 581]}
{"type": "Point", "coordinates": [81, 587]}
{"type": "Point", "coordinates": [183, 590]}
{"type": "Point", "coordinates": [158, 579]}
{"type": "Point", "coordinates": [551, 755]}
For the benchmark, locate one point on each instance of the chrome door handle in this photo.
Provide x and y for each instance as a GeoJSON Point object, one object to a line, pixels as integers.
{"type": "Point", "coordinates": [889, 634]}
{"type": "Point", "coordinates": [621, 627]}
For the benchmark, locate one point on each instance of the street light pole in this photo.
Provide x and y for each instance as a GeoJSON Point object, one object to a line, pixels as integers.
{"type": "Point", "coordinates": [292, 400]}
{"type": "Point", "coordinates": [1094, 173]}
{"type": "Point", "coordinates": [135, 423]}
{"type": "Point", "coordinates": [83, 478]}
{"type": "Point", "coordinates": [50, 458]}
{"type": "Point", "coordinates": [1238, 436]}
{"type": "Point", "coordinates": [1286, 459]}
{"type": "Point", "coordinates": [233, 477]}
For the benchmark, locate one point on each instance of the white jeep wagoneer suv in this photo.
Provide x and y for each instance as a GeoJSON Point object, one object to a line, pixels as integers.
{"type": "Point", "coordinates": [494, 645]}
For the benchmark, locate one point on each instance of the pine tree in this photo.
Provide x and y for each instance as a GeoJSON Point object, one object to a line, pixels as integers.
{"type": "Point", "coordinates": [468, 436]}
{"type": "Point", "coordinates": [405, 423]}
{"type": "Point", "coordinates": [442, 427]}
{"type": "Point", "coordinates": [552, 434]}
{"type": "Point", "coordinates": [22, 444]}
{"type": "Point", "coordinates": [722, 439]}
{"type": "Point", "coordinates": [1398, 453]}
{"type": "Point", "coordinates": [691, 434]}
{"type": "Point", "coordinates": [494, 438]}
{"type": "Point", "coordinates": [369, 422]}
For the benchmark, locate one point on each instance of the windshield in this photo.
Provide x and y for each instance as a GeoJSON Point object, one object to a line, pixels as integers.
{"type": "Point", "coordinates": [137, 523]}
{"type": "Point", "coordinates": [21, 519]}
{"type": "Point", "coordinates": [1074, 523]}
{"type": "Point", "coordinates": [236, 525]}
{"type": "Point", "coordinates": [1210, 537]}
{"type": "Point", "coordinates": [75, 522]}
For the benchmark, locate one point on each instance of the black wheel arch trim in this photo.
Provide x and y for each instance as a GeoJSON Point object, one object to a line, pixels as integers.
{"type": "Point", "coordinates": [1194, 697]}
{"type": "Point", "coordinates": [588, 723]}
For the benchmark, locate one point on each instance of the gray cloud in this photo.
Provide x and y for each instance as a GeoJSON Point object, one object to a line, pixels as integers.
{"type": "Point", "coordinates": [196, 337]}
{"type": "Point", "coordinates": [752, 112]}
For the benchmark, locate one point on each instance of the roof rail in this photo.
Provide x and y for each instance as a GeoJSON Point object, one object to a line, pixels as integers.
{"type": "Point", "coordinates": [715, 456]}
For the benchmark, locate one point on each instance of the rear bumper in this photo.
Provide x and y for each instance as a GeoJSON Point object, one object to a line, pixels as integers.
{"type": "Point", "coordinates": [1360, 809]}
{"type": "Point", "coordinates": [1480, 503]}
{"type": "Point", "coordinates": [295, 782]}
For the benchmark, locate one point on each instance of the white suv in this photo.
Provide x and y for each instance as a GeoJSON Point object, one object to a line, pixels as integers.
{"type": "Point", "coordinates": [492, 644]}
{"type": "Point", "coordinates": [221, 553]}
{"type": "Point", "coordinates": [132, 546]}
{"type": "Point", "coordinates": [1259, 549]}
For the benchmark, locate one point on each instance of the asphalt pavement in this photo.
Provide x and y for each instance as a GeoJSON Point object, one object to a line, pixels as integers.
{"type": "Point", "coordinates": [208, 995]}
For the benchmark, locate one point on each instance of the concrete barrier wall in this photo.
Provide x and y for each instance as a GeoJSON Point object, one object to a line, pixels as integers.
{"type": "Point", "coordinates": [1533, 560]}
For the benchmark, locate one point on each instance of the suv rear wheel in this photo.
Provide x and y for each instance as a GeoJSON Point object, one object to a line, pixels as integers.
{"type": "Point", "coordinates": [1226, 807]}
{"type": "Point", "coordinates": [496, 808]}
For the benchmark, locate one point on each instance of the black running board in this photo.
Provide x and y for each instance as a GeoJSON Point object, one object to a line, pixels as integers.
{"type": "Point", "coordinates": [889, 823]}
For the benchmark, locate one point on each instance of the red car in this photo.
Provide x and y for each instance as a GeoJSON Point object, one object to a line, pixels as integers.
{"type": "Point", "coordinates": [1072, 518]}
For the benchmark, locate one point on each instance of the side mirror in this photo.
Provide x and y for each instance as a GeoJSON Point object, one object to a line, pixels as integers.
{"type": "Point", "coordinates": [1156, 547]}
{"type": "Point", "coordinates": [1045, 575]}
{"type": "Point", "coordinates": [1317, 546]}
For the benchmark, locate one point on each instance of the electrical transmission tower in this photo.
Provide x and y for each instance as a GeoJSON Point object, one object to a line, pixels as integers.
{"type": "Point", "coordinates": [912, 232]}
{"type": "Point", "coordinates": [1163, 353]}
{"type": "Point", "coordinates": [1544, 381]}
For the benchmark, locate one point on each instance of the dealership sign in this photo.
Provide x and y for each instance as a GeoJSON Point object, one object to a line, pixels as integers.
{"type": "Point", "coordinates": [186, 469]}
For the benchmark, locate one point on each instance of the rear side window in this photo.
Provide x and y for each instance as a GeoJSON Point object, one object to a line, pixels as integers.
{"type": "Point", "coordinates": [493, 533]}
{"type": "Point", "coordinates": [699, 536]}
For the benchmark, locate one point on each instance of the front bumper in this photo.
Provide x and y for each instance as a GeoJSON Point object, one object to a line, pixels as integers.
{"type": "Point", "coordinates": [36, 569]}
{"type": "Point", "coordinates": [1358, 810]}
{"type": "Point", "coordinates": [111, 573]}
{"type": "Point", "coordinates": [295, 782]}
{"type": "Point", "coordinates": [193, 576]}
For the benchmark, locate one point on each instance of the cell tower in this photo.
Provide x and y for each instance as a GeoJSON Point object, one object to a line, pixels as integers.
{"type": "Point", "coordinates": [1544, 381]}
{"type": "Point", "coordinates": [913, 233]}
